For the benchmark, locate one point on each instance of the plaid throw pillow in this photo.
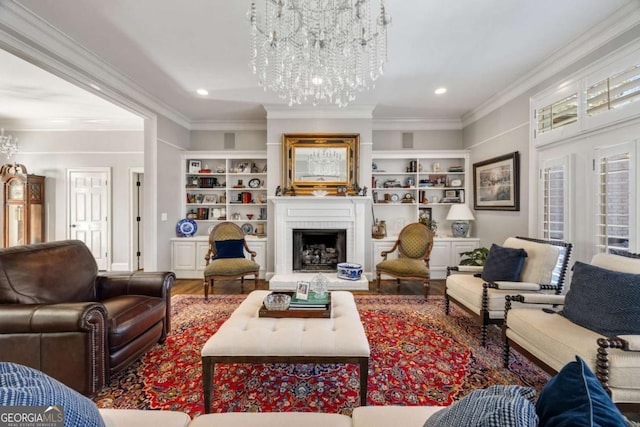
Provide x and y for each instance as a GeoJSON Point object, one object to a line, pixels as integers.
{"type": "Point", "coordinates": [499, 406]}
{"type": "Point", "coordinates": [22, 386]}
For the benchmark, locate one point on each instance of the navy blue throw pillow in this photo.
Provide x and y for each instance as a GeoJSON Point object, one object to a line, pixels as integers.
{"type": "Point", "coordinates": [230, 248]}
{"type": "Point", "coordinates": [575, 397]}
{"type": "Point", "coordinates": [503, 264]}
{"type": "Point", "coordinates": [604, 301]}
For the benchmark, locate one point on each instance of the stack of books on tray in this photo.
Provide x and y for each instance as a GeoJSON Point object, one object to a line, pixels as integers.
{"type": "Point", "coordinates": [311, 303]}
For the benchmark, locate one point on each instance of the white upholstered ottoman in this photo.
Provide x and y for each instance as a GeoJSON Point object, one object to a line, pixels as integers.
{"type": "Point", "coordinates": [247, 338]}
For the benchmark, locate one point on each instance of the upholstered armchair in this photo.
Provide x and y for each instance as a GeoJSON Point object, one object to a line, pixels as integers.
{"type": "Point", "coordinates": [62, 317]}
{"type": "Point", "coordinates": [226, 258]}
{"type": "Point", "coordinates": [598, 319]}
{"type": "Point", "coordinates": [414, 248]}
{"type": "Point", "coordinates": [521, 264]}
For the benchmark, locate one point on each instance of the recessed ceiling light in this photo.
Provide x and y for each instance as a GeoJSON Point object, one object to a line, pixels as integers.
{"type": "Point", "coordinates": [202, 92]}
{"type": "Point", "coordinates": [440, 90]}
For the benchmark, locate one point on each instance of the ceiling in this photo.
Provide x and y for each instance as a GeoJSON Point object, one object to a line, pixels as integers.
{"type": "Point", "coordinates": [169, 49]}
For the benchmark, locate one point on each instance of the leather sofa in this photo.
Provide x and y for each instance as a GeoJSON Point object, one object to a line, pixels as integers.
{"type": "Point", "coordinates": [58, 315]}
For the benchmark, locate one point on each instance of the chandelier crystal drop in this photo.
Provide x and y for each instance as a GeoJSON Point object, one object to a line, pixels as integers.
{"type": "Point", "coordinates": [8, 145]}
{"type": "Point", "coordinates": [318, 50]}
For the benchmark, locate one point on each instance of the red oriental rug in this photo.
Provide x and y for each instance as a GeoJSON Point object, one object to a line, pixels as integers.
{"type": "Point", "coordinates": [419, 356]}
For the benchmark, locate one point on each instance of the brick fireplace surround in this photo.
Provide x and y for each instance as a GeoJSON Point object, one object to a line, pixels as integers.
{"type": "Point", "coordinates": [309, 212]}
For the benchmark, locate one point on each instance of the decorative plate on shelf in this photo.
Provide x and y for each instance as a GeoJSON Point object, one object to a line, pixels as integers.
{"type": "Point", "coordinates": [186, 227]}
{"type": "Point", "coordinates": [247, 228]}
{"type": "Point", "coordinates": [254, 183]}
{"type": "Point", "coordinates": [395, 197]}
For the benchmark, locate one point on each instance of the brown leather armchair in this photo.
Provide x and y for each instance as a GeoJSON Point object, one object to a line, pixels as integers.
{"type": "Point", "coordinates": [58, 315]}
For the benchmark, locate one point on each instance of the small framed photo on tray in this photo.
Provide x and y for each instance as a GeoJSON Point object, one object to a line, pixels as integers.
{"type": "Point", "coordinates": [302, 291]}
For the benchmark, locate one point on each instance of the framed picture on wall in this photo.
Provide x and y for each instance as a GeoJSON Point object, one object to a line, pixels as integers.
{"type": "Point", "coordinates": [496, 183]}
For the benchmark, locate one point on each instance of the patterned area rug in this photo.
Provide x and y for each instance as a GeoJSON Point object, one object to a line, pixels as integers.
{"type": "Point", "coordinates": [419, 356]}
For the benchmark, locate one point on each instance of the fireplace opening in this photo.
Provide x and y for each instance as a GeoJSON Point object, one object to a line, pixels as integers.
{"type": "Point", "coordinates": [319, 249]}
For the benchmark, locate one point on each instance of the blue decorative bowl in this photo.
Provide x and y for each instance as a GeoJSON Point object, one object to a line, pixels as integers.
{"type": "Point", "coordinates": [349, 271]}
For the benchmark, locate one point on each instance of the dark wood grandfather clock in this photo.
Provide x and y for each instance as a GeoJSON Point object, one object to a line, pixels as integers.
{"type": "Point", "coordinates": [23, 206]}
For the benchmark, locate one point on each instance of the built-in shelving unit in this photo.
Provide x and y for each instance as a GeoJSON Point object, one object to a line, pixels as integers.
{"type": "Point", "coordinates": [407, 185]}
{"type": "Point", "coordinates": [226, 187]}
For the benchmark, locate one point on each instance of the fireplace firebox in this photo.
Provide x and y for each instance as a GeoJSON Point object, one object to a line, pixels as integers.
{"type": "Point", "coordinates": [318, 249]}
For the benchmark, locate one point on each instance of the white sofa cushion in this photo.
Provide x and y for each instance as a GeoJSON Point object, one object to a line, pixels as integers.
{"type": "Point", "coordinates": [271, 419]}
{"type": "Point", "coordinates": [139, 418]}
{"type": "Point", "coordinates": [617, 263]}
{"type": "Point", "coordinates": [540, 262]}
{"type": "Point", "coordinates": [554, 339]}
{"type": "Point", "coordinates": [386, 416]}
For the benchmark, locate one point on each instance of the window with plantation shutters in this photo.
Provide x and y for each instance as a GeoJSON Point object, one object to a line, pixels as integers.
{"type": "Point", "coordinates": [614, 168]}
{"type": "Point", "coordinates": [556, 115]}
{"type": "Point", "coordinates": [553, 201]}
{"type": "Point", "coordinates": [614, 92]}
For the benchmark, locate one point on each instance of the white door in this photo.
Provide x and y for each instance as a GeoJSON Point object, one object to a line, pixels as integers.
{"type": "Point", "coordinates": [88, 211]}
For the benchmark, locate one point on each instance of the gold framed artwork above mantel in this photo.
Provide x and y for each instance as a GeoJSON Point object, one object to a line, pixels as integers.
{"type": "Point", "coordinates": [326, 162]}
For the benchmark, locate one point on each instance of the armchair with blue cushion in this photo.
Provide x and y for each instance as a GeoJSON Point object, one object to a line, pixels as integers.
{"type": "Point", "coordinates": [226, 258]}
{"type": "Point", "coordinates": [598, 319]}
{"type": "Point", "coordinates": [521, 264]}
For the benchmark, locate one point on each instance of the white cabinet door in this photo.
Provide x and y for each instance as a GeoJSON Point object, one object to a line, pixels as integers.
{"type": "Point", "coordinates": [201, 252]}
{"type": "Point", "coordinates": [260, 248]}
{"type": "Point", "coordinates": [378, 247]}
{"type": "Point", "coordinates": [439, 259]}
{"type": "Point", "coordinates": [462, 246]}
{"type": "Point", "coordinates": [183, 256]}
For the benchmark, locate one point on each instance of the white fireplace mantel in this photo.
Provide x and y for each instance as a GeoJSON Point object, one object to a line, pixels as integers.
{"type": "Point", "coordinates": [310, 212]}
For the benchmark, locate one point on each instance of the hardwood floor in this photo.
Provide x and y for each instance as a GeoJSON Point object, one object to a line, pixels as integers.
{"type": "Point", "coordinates": [194, 287]}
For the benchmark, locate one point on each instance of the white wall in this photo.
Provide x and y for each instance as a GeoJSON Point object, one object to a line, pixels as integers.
{"type": "Point", "coordinates": [422, 140]}
{"type": "Point", "coordinates": [52, 153]}
{"type": "Point", "coordinates": [501, 132]}
{"type": "Point", "coordinates": [506, 129]}
{"type": "Point", "coordinates": [206, 140]}
{"type": "Point", "coordinates": [172, 141]}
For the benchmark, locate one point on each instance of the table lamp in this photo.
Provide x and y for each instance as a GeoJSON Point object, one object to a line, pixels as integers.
{"type": "Point", "coordinates": [460, 214]}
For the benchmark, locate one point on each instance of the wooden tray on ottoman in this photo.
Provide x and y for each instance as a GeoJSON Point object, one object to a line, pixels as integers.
{"type": "Point", "coordinates": [322, 313]}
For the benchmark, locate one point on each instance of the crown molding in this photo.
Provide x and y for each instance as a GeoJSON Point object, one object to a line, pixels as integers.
{"type": "Point", "coordinates": [278, 111]}
{"type": "Point", "coordinates": [229, 125]}
{"type": "Point", "coordinates": [616, 24]}
{"type": "Point", "coordinates": [28, 36]}
{"type": "Point", "coordinates": [407, 125]}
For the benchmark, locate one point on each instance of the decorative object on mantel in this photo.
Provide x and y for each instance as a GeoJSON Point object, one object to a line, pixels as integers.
{"type": "Point", "coordinates": [460, 214]}
{"type": "Point", "coordinates": [7, 147]}
{"type": "Point", "coordinates": [318, 51]}
{"type": "Point", "coordinates": [319, 193]}
{"type": "Point", "coordinates": [278, 191]}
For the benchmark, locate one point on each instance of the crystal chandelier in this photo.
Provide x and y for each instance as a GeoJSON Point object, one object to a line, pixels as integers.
{"type": "Point", "coordinates": [7, 147]}
{"type": "Point", "coordinates": [318, 50]}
